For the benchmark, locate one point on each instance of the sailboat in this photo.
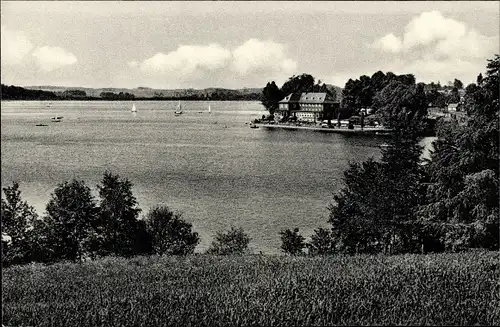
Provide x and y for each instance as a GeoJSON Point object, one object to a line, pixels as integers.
{"type": "Point", "coordinates": [133, 108]}
{"type": "Point", "coordinates": [179, 109]}
{"type": "Point", "coordinates": [209, 111]}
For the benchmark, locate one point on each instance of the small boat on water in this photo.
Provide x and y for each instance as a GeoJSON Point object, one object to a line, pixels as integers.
{"type": "Point", "coordinates": [56, 119]}
{"type": "Point", "coordinates": [252, 125]}
{"type": "Point", "coordinates": [179, 109]}
{"type": "Point", "coordinates": [41, 125]}
{"type": "Point", "coordinates": [384, 146]}
{"type": "Point", "coordinates": [134, 109]}
{"type": "Point", "coordinates": [209, 111]}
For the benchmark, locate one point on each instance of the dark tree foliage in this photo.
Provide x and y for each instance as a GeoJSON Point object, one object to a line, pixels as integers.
{"type": "Point", "coordinates": [298, 84]}
{"type": "Point", "coordinates": [361, 93]}
{"type": "Point", "coordinates": [292, 242]}
{"type": "Point", "coordinates": [18, 93]}
{"type": "Point", "coordinates": [18, 219]}
{"type": "Point", "coordinates": [463, 195]}
{"type": "Point", "coordinates": [271, 95]}
{"type": "Point", "coordinates": [118, 212]}
{"type": "Point", "coordinates": [321, 242]}
{"type": "Point", "coordinates": [454, 96]}
{"type": "Point", "coordinates": [479, 79]}
{"type": "Point", "coordinates": [458, 84]}
{"type": "Point", "coordinates": [169, 233]}
{"type": "Point", "coordinates": [71, 222]}
{"type": "Point", "coordinates": [233, 242]}
{"type": "Point", "coordinates": [375, 210]}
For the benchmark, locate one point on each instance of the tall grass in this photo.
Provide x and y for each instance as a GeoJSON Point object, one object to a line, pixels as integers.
{"type": "Point", "coordinates": [444, 289]}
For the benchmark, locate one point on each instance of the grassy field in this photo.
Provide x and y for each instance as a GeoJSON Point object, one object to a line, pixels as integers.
{"type": "Point", "coordinates": [451, 289]}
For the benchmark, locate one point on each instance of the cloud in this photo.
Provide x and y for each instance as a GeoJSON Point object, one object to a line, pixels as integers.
{"type": "Point", "coordinates": [390, 43]}
{"type": "Point", "coordinates": [432, 33]}
{"type": "Point", "coordinates": [50, 58]}
{"type": "Point", "coordinates": [15, 46]}
{"type": "Point", "coordinates": [187, 59]}
{"type": "Point", "coordinates": [255, 55]}
{"type": "Point", "coordinates": [434, 47]}
{"type": "Point", "coordinates": [190, 64]}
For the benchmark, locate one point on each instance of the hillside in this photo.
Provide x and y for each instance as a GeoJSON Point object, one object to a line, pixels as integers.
{"type": "Point", "coordinates": [146, 92]}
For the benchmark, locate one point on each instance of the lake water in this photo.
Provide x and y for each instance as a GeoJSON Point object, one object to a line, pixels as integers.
{"type": "Point", "coordinates": [212, 167]}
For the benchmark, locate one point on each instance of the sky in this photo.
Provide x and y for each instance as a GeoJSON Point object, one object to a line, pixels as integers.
{"type": "Point", "coordinates": [236, 44]}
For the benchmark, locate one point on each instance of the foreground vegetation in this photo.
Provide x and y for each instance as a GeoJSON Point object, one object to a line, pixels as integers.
{"type": "Point", "coordinates": [440, 289]}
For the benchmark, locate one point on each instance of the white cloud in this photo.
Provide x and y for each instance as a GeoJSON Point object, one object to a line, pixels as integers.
{"type": "Point", "coordinates": [435, 34]}
{"type": "Point", "coordinates": [390, 43]}
{"type": "Point", "coordinates": [255, 55]}
{"type": "Point", "coordinates": [50, 58]}
{"type": "Point", "coordinates": [192, 63]}
{"type": "Point", "coordinates": [436, 48]}
{"type": "Point", "coordinates": [15, 46]}
{"type": "Point", "coordinates": [187, 59]}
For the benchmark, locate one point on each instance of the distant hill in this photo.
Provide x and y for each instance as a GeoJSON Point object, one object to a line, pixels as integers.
{"type": "Point", "coordinates": [84, 93]}
{"type": "Point", "coordinates": [146, 92]}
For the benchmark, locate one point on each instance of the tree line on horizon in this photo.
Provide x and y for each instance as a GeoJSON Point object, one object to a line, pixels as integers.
{"type": "Point", "coordinates": [19, 93]}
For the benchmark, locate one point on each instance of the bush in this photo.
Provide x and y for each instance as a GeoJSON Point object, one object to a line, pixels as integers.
{"type": "Point", "coordinates": [234, 241]}
{"type": "Point", "coordinates": [292, 242]}
{"type": "Point", "coordinates": [169, 233]}
{"type": "Point", "coordinates": [321, 242]}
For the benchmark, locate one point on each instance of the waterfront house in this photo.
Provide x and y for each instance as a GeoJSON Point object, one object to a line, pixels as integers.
{"type": "Point", "coordinates": [453, 107]}
{"type": "Point", "coordinates": [310, 106]}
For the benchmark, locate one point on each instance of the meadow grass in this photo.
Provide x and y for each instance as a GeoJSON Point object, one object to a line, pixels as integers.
{"type": "Point", "coordinates": [441, 289]}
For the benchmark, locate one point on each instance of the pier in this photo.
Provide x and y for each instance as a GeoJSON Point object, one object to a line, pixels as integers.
{"type": "Point", "coordinates": [339, 130]}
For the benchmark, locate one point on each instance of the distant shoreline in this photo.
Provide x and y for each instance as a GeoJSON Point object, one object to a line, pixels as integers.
{"type": "Point", "coordinates": [140, 99]}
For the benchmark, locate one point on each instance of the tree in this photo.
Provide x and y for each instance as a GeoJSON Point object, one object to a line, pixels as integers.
{"type": "Point", "coordinates": [271, 96]}
{"type": "Point", "coordinates": [292, 242]}
{"type": "Point", "coordinates": [118, 212]}
{"type": "Point", "coordinates": [458, 84]}
{"type": "Point", "coordinates": [17, 219]}
{"type": "Point", "coordinates": [233, 242]}
{"type": "Point", "coordinates": [464, 175]}
{"type": "Point", "coordinates": [71, 219]}
{"type": "Point", "coordinates": [298, 84]}
{"type": "Point", "coordinates": [321, 242]}
{"type": "Point", "coordinates": [169, 233]}
{"type": "Point", "coordinates": [479, 79]}
{"type": "Point", "coordinates": [454, 96]}
{"type": "Point", "coordinates": [374, 212]}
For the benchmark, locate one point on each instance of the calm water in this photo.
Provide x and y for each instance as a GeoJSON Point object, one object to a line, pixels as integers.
{"type": "Point", "coordinates": [212, 167]}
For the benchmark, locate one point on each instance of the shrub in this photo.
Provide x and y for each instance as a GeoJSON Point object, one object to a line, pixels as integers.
{"type": "Point", "coordinates": [321, 242]}
{"type": "Point", "coordinates": [292, 242]}
{"type": "Point", "coordinates": [169, 233]}
{"type": "Point", "coordinates": [234, 241]}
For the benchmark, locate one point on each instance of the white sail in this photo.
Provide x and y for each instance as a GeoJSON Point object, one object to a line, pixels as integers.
{"type": "Point", "coordinates": [133, 108]}
{"type": "Point", "coordinates": [179, 109]}
{"type": "Point", "coordinates": [209, 108]}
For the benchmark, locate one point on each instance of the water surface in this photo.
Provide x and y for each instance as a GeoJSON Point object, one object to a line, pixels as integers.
{"type": "Point", "coordinates": [212, 167]}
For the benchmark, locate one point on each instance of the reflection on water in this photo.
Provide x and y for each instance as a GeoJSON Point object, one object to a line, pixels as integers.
{"type": "Point", "coordinates": [212, 167]}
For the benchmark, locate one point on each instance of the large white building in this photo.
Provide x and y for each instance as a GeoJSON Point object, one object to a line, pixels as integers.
{"type": "Point", "coordinates": [312, 106]}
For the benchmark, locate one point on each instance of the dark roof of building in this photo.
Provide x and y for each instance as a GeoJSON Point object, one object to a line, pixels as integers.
{"type": "Point", "coordinates": [310, 97]}
{"type": "Point", "coordinates": [292, 97]}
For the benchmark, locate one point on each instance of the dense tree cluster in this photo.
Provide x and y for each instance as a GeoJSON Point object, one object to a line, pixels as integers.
{"type": "Point", "coordinates": [404, 204]}
{"type": "Point", "coordinates": [272, 94]}
{"type": "Point", "coordinates": [19, 93]}
{"type": "Point", "coordinates": [77, 227]}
